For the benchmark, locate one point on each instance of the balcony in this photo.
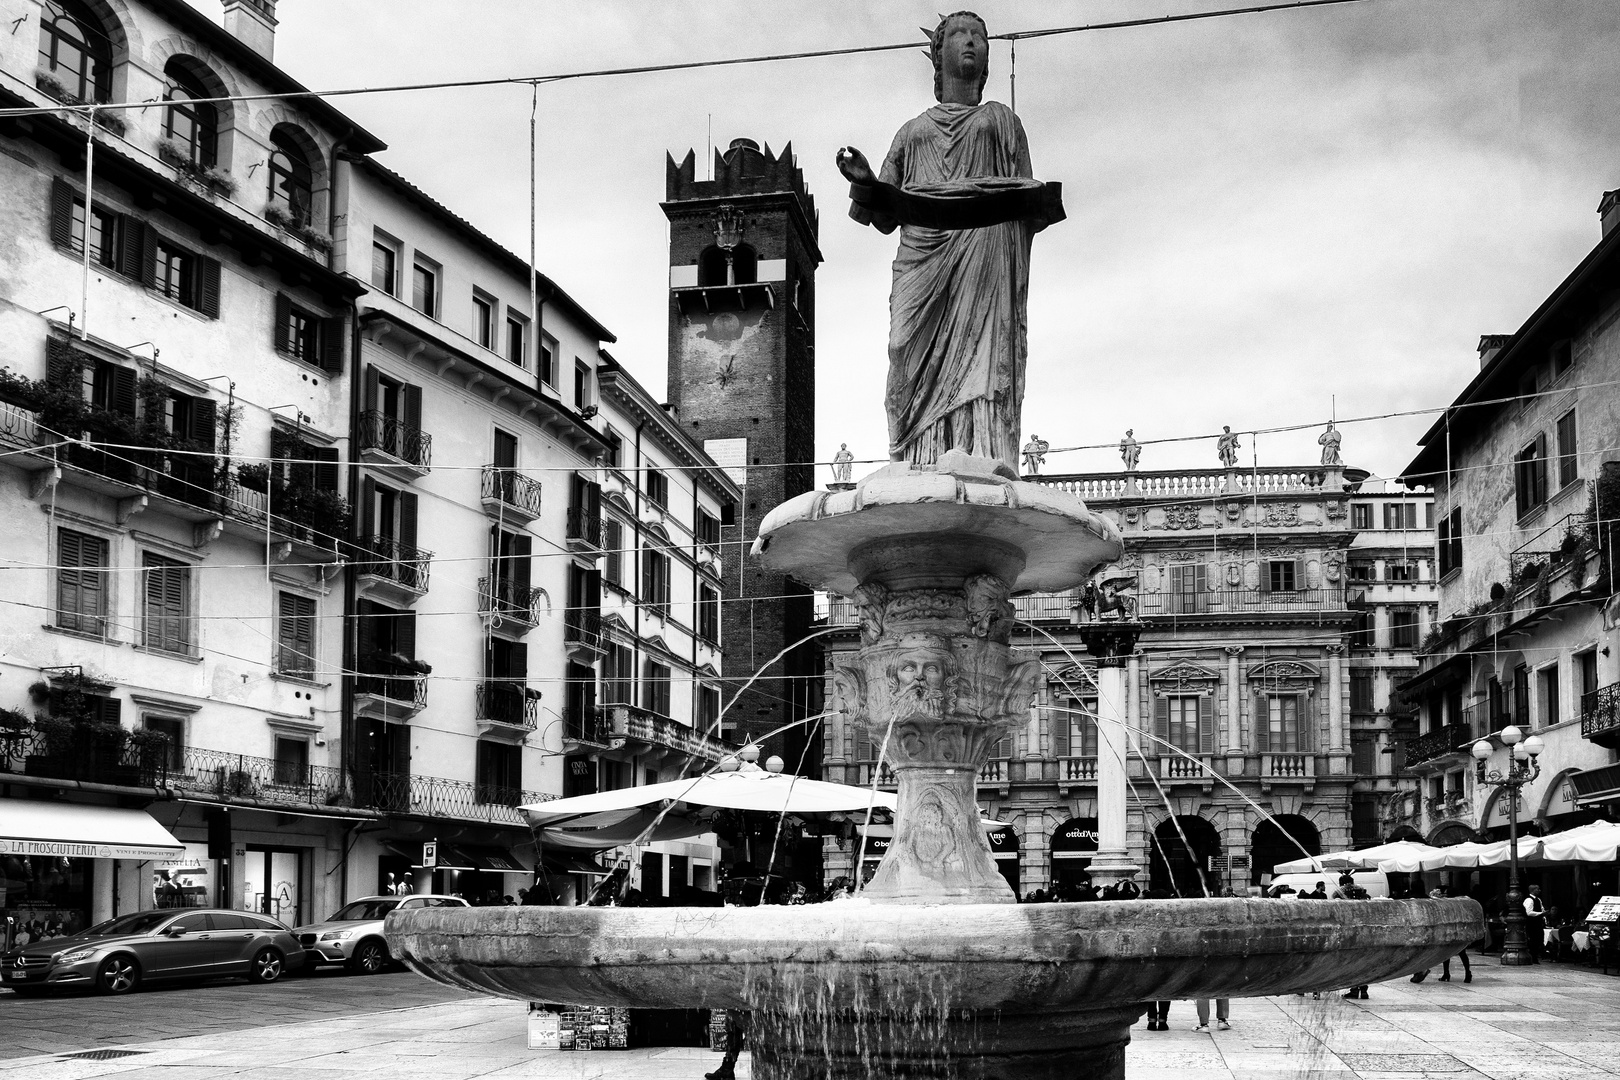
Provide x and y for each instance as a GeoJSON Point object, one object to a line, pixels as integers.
{"type": "Point", "coordinates": [1453, 738]}
{"type": "Point", "coordinates": [1299, 768]}
{"type": "Point", "coordinates": [1453, 805]}
{"type": "Point", "coordinates": [1600, 716]}
{"type": "Point", "coordinates": [309, 519]}
{"type": "Point", "coordinates": [391, 570]}
{"type": "Point", "coordinates": [1047, 607]}
{"type": "Point", "coordinates": [87, 753]}
{"type": "Point", "coordinates": [1231, 603]}
{"type": "Point", "coordinates": [390, 688]}
{"type": "Point", "coordinates": [865, 770]}
{"type": "Point", "coordinates": [1552, 549]}
{"type": "Point", "coordinates": [1077, 770]}
{"type": "Point", "coordinates": [584, 530]}
{"type": "Point", "coordinates": [228, 777]}
{"type": "Point", "coordinates": [506, 710]}
{"type": "Point", "coordinates": [1202, 483]}
{"type": "Point", "coordinates": [996, 771]}
{"type": "Point", "coordinates": [390, 443]}
{"type": "Point", "coordinates": [509, 495]}
{"type": "Point", "coordinates": [582, 630]}
{"type": "Point", "coordinates": [437, 797]}
{"type": "Point", "coordinates": [587, 729]}
{"type": "Point", "coordinates": [1173, 768]}
{"type": "Point", "coordinates": [651, 733]}
{"type": "Point", "coordinates": [515, 608]}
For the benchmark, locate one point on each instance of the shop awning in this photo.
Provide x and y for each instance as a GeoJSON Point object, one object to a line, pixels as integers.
{"type": "Point", "coordinates": [491, 858]}
{"type": "Point", "coordinates": [88, 832]}
{"type": "Point", "coordinates": [563, 862]}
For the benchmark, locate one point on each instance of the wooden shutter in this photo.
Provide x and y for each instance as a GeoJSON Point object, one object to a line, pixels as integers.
{"type": "Point", "coordinates": [130, 233]}
{"type": "Point", "coordinates": [64, 368]}
{"type": "Point", "coordinates": [1200, 575]}
{"type": "Point", "coordinates": [863, 744]}
{"type": "Point", "coordinates": [612, 543]}
{"type": "Point", "coordinates": [1060, 731]}
{"type": "Point", "coordinates": [407, 519]}
{"type": "Point", "coordinates": [147, 269]}
{"type": "Point", "coordinates": [296, 634]}
{"type": "Point", "coordinates": [1262, 724]}
{"type": "Point", "coordinates": [522, 551]}
{"type": "Point", "coordinates": [365, 628]}
{"type": "Point", "coordinates": [108, 710]}
{"type": "Point", "coordinates": [1206, 723]}
{"type": "Point", "coordinates": [203, 418]}
{"type": "Point", "coordinates": [62, 196]}
{"type": "Point", "coordinates": [368, 507]}
{"type": "Point", "coordinates": [326, 467]}
{"type": "Point", "coordinates": [1161, 722]}
{"type": "Point", "coordinates": [208, 286]}
{"type": "Point", "coordinates": [1299, 575]}
{"type": "Point", "coordinates": [517, 662]}
{"type": "Point", "coordinates": [647, 558]}
{"type": "Point", "coordinates": [81, 580]}
{"type": "Point", "coordinates": [1541, 468]}
{"type": "Point", "coordinates": [413, 407]}
{"type": "Point", "coordinates": [333, 331]}
{"type": "Point", "coordinates": [121, 390]}
{"type": "Point", "coordinates": [1265, 575]}
{"type": "Point", "coordinates": [166, 608]}
{"type": "Point", "coordinates": [372, 388]}
{"type": "Point", "coordinates": [1307, 722]}
{"type": "Point", "coordinates": [283, 332]}
{"type": "Point", "coordinates": [405, 633]}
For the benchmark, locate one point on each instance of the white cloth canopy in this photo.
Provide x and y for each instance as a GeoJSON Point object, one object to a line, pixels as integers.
{"type": "Point", "coordinates": [94, 832]}
{"type": "Point", "coordinates": [1370, 858]}
{"type": "Point", "coordinates": [1597, 842]}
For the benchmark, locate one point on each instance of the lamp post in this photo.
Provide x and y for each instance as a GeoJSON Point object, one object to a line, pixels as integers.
{"type": "Point", "coordinates": [1522, 768]}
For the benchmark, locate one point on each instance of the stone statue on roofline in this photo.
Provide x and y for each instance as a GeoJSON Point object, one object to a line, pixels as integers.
{"type": "Point", "coordinates": [1035, 455]}
{"type": "Point", "coordinates": [1130, 451]}
{"type": "Point", "coordinates": [1329, 441]}
{"type": "Point", "coordinates": [1227, 447]}
{"type": "Point", "coordinates": [958, 183]}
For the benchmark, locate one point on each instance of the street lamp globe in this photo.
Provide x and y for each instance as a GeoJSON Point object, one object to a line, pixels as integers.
{"type": "Point", "coordinates": [1482, 750]}
{"type": "Point", "coordinates": [1520, 752]}
{"type": "Point", "coordinates": [1534, 746]}
{"type": "Point", "coordinates": [729, 763]}
{"type": "Point", "coordinates": [1511, 735]}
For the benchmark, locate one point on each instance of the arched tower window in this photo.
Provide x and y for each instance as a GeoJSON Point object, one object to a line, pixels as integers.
{"type": "Point", "coordinates": [191, 123]}
{"type": "Point", "coordinates": [738, 267]}
{"type": "Point", "coordinates": [744, 265]}
{"type": "Point", "coordinates": [75, 50]}
{"type": "Point", "coordinates": [712, 267]}
{"type": "Point", "coordinates": [292, 181]}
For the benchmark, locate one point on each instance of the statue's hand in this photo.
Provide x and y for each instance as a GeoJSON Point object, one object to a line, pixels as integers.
{"type": "Point", "coordinates": [853, 164]}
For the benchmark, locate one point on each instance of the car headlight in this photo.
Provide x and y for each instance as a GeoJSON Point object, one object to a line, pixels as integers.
{"type": "Point", "coordinates": [73, 957]}
{"type": "Point", "coordinates": [336, 935]}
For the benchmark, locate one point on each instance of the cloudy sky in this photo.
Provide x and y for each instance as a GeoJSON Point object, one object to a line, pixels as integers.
{"type": "Point", "coordinates": [1266, 212]}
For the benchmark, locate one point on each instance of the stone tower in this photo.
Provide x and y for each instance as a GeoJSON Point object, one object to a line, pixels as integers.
{"type": "Point", "coordinates": [742, 382]}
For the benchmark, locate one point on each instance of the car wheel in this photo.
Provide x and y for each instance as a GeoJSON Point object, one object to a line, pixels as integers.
{"type": "Point", "coordinates": [369, 958]}
{"type": "Point", "coordinates": [118, 975]}
{"type": "Point", "coordinates": [267, 966]}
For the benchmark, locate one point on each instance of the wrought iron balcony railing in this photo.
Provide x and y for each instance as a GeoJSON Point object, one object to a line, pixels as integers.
{"type": "Point", "coordinates": [506, 598]}
{"type": "Point", "coordinates": [1600, 711]}
{"type": "Point", "coordinates": [512, 488]}
{"type": "Point", "coordinates": [507, 703]}
{"type": "Point", "coordinates": [386, 557]}
{"type": "Point", "coordinates": [226, 776]}
{"type": "Point", "coordinates": [392, 436]}
{"type": "Point", "coordinates": [89, 753]}
{"type": "Point", "coordinates": [1449, 739]}
{"type": "Point", "coordinates": [406, 687]}
{"type": "Point", "coordinates": [587, 726]}
{"type": "Point", "coordinates": [649, 728]}
{"type": "Point", "coordinates": [583, 626]}
{"type": "Point", "coordinates": [584, 527]}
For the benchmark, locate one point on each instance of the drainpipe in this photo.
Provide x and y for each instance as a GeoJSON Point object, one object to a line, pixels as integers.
{"type": "Point", "coordinates": [347, 738]}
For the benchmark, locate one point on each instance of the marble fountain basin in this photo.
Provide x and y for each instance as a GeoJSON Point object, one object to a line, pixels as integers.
{"type": "Point", "coordinates": [991, 980]}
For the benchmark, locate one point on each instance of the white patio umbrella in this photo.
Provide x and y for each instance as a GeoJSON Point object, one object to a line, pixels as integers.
{"type": "Point", "coordinates": [1364, 859]}
{"type": "Point", "coordinates": [1597, 842]}
{"type": "Point", "coordinates": [1463, 856]}
{"type": "Point", "coordinates": [774, 793]}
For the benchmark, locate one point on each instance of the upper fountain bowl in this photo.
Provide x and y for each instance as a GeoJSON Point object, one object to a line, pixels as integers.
{"type": "Point", "coordinates": [964, 510]}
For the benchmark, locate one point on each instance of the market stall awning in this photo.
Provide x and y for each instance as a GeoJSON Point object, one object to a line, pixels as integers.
{"type": "Point", "coordinates": [563, 862]}
{"type": "Point", "coordinates": [490, 858]}
{"type": "Point", "coordinates": [1371, 858]}
{"type": "Point", "coordinates": [90, 832]}
{"type": "Point", "coordinates": [756, 790]}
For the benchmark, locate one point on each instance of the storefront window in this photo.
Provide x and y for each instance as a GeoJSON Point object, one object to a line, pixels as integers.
{"type": "Point", "coordinates": [273, 883]}
{"type": "Point", "coordinates": [184, 881]}
{"type": "Point", "coordinates": [43, 896]}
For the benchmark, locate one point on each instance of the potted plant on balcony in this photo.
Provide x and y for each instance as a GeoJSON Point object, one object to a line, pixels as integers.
{"type": "Point", "coordinates": [15, 730]}
{"type": "Point", "coordinates": [254, 477]}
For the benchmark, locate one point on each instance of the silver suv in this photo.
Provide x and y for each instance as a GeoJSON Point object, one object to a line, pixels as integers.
{"type": "Point", "coordinates": [354, 936]}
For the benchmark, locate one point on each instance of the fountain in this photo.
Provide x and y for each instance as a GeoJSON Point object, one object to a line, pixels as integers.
{"type": "Point", "coordinates": [935, 971]}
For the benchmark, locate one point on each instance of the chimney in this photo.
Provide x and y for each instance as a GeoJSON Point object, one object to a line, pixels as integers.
{"type": "Point", "coordinates": [253, 23]}
{"type": "Point", "coordinates": [1609, 210]}
{"type": "Point", "coordinates": [1490, 345]}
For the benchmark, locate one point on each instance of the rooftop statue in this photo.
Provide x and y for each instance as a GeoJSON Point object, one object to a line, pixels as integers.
{"type": "Point", "coordinates": [958, 184]}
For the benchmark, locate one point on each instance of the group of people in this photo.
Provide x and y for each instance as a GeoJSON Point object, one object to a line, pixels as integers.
{"type": "Point", "coordinates": [1083, 891]}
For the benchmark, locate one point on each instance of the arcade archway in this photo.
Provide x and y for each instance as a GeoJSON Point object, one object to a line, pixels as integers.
{"type": "Point", "coordinates": [1281, 839]}
{"type": "Point", "coordinates": [1179, 866]}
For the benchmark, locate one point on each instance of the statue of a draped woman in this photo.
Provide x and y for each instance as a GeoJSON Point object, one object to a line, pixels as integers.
{"type": "Point", "coordinates": [958, 184]}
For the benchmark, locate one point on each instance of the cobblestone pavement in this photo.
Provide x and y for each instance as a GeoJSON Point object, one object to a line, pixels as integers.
{"type": "Point", "coordinates": [1545, 1023]}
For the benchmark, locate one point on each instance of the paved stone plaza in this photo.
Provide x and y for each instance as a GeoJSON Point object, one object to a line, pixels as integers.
{"type": "Point", "coordinates": [1546, 1023]}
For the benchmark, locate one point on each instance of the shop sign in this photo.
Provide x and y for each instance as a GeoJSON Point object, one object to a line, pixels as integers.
{"type": "Point", "coordinates": [1075, 837]}
{"type": "Point", "coordinates": [1606, 910]}
{"type": "Point", "coordinates": [1003, 843]}
{"type": "Point", "coordinates": [183, 880]}
{"type": "Point", "coordinates": [66, 850]}
{"type": "Point", "coordinates": [1498, 817]}
{"type": "Point", "coordinates": [430, 854]}
{"type": "Point", "coordinates": [877, 846]}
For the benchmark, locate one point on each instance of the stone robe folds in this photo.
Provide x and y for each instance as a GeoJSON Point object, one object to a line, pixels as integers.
{"type": "Point", "coordinates": [958, 308]}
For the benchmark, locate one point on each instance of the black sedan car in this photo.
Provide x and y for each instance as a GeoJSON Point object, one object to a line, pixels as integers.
{"type": "Point", "coordinates": [116, 956]}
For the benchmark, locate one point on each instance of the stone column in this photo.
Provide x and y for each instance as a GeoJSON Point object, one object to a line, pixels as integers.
{"type": "Point", "coordinates": [1336, 698]}
{"type": "Point", "coordinates": [1133, 701]}
{"type": "Point", "coordinates": [1112, 643]}
{"type": "Point", "coordinates": [1234, 702]}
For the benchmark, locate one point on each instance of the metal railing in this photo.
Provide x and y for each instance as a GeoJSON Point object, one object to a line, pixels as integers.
{"type": "Point", "coordinates": [435, 796]}
{"type": "Point", "coordinates": [582, 626]}
{"type": "Point", "coordinates": [1052, 606]}
{"type": "Point", "coordinates": [506, 598]}
{"type": "Point", "coordinates": [1600, 711]}
{"type": "Point", "coordinates": [386, 557]}
{"type": "Point", "coordinates": [588, 725]}
{"type": "Point", "coordinates": [221, 775]}
{"type": "Point", "coordinates": [1240, 601]}
{"type": "Point", "coordinates": [639, 725]}
{"type": "Point", "coordinates": [409, 689]}
{"type": "Point", "coordinates": [507, 703]}
{"type": "Point", "coordinates": [379, 431]}
{"type": "Point", "coordinates": [89, 753]}
{"type": "Point", "coordinates": [19, 427]}
{"type": "Point", "coordinates": [1446, 740]}
{"type": "Point", "coordinates": [501, 484]}
{"type": "Point", "coordinates": [1548, 550]}
{"type": "Point", "coordinates": [584, 527]}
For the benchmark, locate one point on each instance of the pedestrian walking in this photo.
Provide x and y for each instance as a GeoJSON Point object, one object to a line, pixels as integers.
{"type": "Point", "coordinates": [1445, 965]}
{"type": "Point", "coordinates": [734, 1044]}
{"type": "Point", "coordinates": [1349, 890]}
{"type": "Point", "coordinates": [1223, 1009]}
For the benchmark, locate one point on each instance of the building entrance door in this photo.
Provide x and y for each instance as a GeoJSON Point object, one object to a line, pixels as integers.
{"type": "Point", "coordinates": [273, 883]}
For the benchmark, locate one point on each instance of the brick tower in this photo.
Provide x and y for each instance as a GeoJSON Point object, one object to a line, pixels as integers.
{"type": "Point", "coordinates": [742, 382]}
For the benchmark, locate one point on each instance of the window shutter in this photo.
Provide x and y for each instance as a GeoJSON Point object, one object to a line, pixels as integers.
{"type": "Point", "coordinates": [413, 407]}
{"type": "Point", "coordinates": [647, 576]}
{"type": "Point", "coordinates": [593, 586]}
{"type": "Point", "coordinates": [365, 628]}
{"type": "Point", "coordinates": [593, 500]}
{"type": "Point", "coordinates": [1299, 575]}
{"type": "Point", "coordinates": [1541, 468]}
{"type": "Point", "coordinates": [1265, 575]}
{"type": "Point", "coordinates": [1161, 723]}
{"type": "Point", "coordinates": [407, 519]}
{"type": "Point", "coordinates": [863, 744]}
{"type": "Point", "coordinates": [1307, 722]}
{"type": "Point", "coordinates": [129, 247]}
{"type": "Point", "coordinates": [283, 333]}
{"type": "Point", "coordinates": [62, 195]}
{"type": "Point", "coordinates": [517, 664]}
{"type": "Point", "coordinates": [326, 467]}
{"type": "Point", "coordinates": [405, 633]}
{"type": "Point", "coordinates": [121, 394]}
{"type": "Point", "coordinates": [372, 388]}
{"type": "Point", "coordinates": [1206, 723]}
{"type": "Point", "coordinates": [147, 270]}
{"type": "Point", "coordinates": [203, 417]}
{"type": "Point", "coordinates": [64, 368]}
{"type": "Point", "coordinates": [1262, 724]}
{"type": "Point", "coordinates": [1175, 578]}
{"type": "Point", "coordinates": [522, 551]}
{"type": "Point", "coordinates": [368, 507]}
{"type": "Point", "coordinates": [109, 710]}
{"type": "Point", "coordinates": [208, 286]}
{"type": "Point", "coordinates": [1200, 574]}
{"type": "Point", "coordinates": [333, 331]}
{"type": "Point", "coordinates": [1060, 732]}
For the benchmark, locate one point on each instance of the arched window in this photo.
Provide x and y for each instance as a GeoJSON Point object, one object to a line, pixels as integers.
{"type": "Point", "coordinates": [292, 182]}
{"type": "Point", "coordinates": [712, 267]}
{"type": "Point", "coordinates": [193, 124]}
{"type": "Point", "coordinates": [744, 265]}
{"type": "Point", "coordinates": [75, 51]}
{"type": "Point", "coordinates": [739, 266]}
